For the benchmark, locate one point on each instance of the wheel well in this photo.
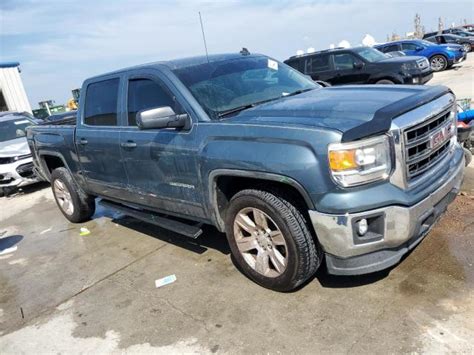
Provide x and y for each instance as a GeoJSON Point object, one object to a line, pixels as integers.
{"type": "Point", "coordinates": [439, 55]}
{"type": "Point", "coordinates": [395, 81]}
{"type": "Point", "coordinates": [52, 162]}
{"type": "Point", "coordinates": [227, 186]}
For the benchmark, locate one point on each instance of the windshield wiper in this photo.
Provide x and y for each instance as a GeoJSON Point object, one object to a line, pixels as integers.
{"type": "Point", "coordinates": [243, 107]}
{"type": "Point", "coordinates": [297, 92]}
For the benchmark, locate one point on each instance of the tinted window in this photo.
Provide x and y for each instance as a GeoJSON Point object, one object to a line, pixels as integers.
{"type": "Point", "coordinates": [145, 94]}
{"type": "Point", "coordinates": [317, 63]}
{"type": "Point", "coordinates": [344, 61]}
{"type": "Point", "coordinates": [101, 103]}
{"type": "Point", "coordinates": [390, 48]}
{"type": "Point", "coordinates": [431, 39]}
{"type": "Point", "coordinates": [409, 46]}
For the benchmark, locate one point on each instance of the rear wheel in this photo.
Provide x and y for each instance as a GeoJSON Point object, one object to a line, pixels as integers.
{"type": "Point", "coordinates": [270, 240]}
{"type": "Point", "coordinates": [438, 63]}
{"type": "Point", "coordinates": [385, 82]}
{"type": "Point", "coordinates": [74, 203]}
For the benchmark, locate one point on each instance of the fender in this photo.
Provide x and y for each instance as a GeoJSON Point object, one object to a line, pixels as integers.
{"type": "Point", "coordinates": [214, 209]}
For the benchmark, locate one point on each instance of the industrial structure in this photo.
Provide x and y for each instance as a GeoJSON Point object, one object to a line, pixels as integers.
{"type": "Point", "coordinates": [12, 93]}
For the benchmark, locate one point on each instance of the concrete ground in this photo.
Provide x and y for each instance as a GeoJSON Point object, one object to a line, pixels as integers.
{"type": "Point", "coordinates": [61, 292]}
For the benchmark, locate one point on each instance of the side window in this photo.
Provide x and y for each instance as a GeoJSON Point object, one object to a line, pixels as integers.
{"type": "Point", "coordinates": [145, 94]}
{"type": "Point", "coordinates": [391, 48]}
{"type": "Point", "coordinates": [317, 63]}
{"type": "Point", "coordinates": [408, 46]}
{"type": "Point", "coordinates": [101, 103]}
{"type": "Point", "coordinates": [344, 61]}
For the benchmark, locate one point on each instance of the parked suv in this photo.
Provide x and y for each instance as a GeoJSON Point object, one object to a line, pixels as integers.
{"type": "Point", "coordinates": [361, 65]}
{"type": "Point", "coordinates": [441, 56]}
{"type": "Point", "coordinates": [16, 164]}
{"type": "Point", "coordinates": [466, 42]}
{"type": "Point", "coordinates": [293, 173]}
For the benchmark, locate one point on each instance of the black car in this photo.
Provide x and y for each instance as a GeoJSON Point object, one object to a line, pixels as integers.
{"type": "Point", "coordinates": [362, 65]}
{"type": "Point", "coordinates": [466, 42]}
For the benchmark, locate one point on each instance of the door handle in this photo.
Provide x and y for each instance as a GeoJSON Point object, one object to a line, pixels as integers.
{"type": "Point", "coordinates": [83, 141]}
{"type": "Point", "coordinates": [128, 144]}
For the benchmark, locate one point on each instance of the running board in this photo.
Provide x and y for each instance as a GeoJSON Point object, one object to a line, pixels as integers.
{"type": "Point", "coordinates": [191, 231]}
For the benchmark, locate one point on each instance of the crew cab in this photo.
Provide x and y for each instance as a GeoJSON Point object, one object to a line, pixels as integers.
{"type": "Point", "coordinates": [293, 173]}
{"type": "Point", "coordinates": [440, 56]}
{"type": "Point", "coordinates": [361, 65]}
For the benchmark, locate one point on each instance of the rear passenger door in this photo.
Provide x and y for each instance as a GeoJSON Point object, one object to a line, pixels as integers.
{"type": "Point", "coordinates": [319, 67]}
{"type": "Point", "coordinates": [161, 164]}
{"type": "Point", "coordinates": [98, 138]}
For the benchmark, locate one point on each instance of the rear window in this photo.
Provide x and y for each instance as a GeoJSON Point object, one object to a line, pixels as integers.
{"type": "Point", "coordinates": [317, 63]}
{"type": "Point", "coordinates": [101, 103]}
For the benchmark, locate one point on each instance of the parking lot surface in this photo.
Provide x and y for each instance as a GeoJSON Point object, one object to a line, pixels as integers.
{"type": "Point", "coordinates": [61, 291]}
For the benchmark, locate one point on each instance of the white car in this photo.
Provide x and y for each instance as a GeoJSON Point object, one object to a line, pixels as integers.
{"type": "Point", "coordinates": [16, 163]}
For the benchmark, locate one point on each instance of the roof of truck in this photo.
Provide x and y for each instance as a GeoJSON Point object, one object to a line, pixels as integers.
{"type": "Point", "coordinates": [184, 62]}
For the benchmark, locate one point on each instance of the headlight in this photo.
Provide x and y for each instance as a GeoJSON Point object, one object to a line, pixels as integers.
{"type": "Point", "coordinates": [361, 162]}
{"type": "Point", "coordinates": [409, 66]}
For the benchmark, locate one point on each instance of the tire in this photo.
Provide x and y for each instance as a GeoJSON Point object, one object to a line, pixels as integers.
{"type": "Point", "coordinates": [438, 63]}
{"type": "Point", "coordinates": [467, 156]}
{"type": "Point", "coordinates": [291, 239]}
{"type": "Point", "coordinates": [73, 203]}
{"type": "Point", "coordinates": [385, 82]}
{"type": "Point", "coordinates": [467, 47]}
{"type": "Point", "coordinates": [1, 192]}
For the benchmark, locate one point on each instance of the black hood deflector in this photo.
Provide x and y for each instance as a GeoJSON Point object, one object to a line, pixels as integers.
{"type": "Point", "coordinates": [383, 117]}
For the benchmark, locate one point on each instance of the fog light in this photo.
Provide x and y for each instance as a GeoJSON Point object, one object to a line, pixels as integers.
{"type": "Point", "coordinates": [416, 80]}
{"type": "Point", "coordinates": [362, 227]}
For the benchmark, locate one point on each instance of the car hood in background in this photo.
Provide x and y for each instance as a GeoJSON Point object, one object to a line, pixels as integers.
{"type": "Point", "coordinates": [356, 111]}
{"type": "Point", "coordinates": [14, 147]}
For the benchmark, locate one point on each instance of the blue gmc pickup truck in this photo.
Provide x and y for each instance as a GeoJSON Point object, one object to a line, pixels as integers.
{"type": "Point", "coordinates": [293, 173]}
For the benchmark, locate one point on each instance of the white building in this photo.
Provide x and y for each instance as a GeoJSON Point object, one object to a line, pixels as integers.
{"type": "Point", "coordinates": [12, 93]}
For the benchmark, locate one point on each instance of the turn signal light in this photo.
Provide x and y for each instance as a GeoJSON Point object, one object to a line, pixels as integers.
{"type": "Point", "coordinates": [340, 160]}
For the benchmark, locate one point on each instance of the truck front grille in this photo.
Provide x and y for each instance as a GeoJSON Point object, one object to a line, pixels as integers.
{"type": "Point", "coordinates": [427, 143]}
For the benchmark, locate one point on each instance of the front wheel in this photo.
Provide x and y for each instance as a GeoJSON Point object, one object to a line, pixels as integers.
{"type": "Point", "coordinates": [467, 47]}
{"type": "Point", "coordinates": [270, 240]}
{"type": "Point", "coordinates": [74, 203]}
{"type": "Point", "coordinates": [438, 63]}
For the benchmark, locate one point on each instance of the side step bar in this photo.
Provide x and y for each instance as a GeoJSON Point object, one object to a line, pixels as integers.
{"type": "Point", "coordinates": [191, 231]}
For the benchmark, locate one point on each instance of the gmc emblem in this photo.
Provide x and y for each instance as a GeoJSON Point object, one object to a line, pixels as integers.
{"type": "Point", "coordinates": [440, 137]}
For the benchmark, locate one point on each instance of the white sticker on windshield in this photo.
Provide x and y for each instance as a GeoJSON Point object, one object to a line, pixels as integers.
{"type": "Point", "coordinates": [21, 122]}
{"type": "Point", "coordinates": [272, 64]}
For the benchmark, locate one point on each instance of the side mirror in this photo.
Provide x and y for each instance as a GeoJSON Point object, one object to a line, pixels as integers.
{"type": "Point", "coordinates": [358, 65]}
{"type": "Point", "coordinates": [161, 117]}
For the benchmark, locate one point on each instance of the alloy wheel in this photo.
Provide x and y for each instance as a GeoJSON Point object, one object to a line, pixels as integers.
{"type": "Point", "coordinates": [437, 63]}
{"type": "Point", "coordinates": [63, 197]}
{"type": "Point", "coordinates": [260, 242]}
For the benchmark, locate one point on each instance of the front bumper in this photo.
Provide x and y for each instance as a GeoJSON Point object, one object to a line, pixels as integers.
{"type": "Point", "coordinates": [401, 229]}
{"type": "Point", "coordinates": [17, 174]}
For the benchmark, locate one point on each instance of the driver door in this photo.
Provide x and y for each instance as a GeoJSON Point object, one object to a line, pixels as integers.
{"type": "Point", "coordinates": [161, 164]}
{"type": "Point", "coordinates": [347, 70]}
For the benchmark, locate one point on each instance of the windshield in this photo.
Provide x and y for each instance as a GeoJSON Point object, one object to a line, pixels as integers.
{"type": "Point", "coordinates": [224, 86]}
{"type": "Point", "coordinates": [370, 54]}
{"type": "Point", "coordinates": [13, 129]}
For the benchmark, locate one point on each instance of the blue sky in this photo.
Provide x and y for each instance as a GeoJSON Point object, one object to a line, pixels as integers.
{"type": "Point", "coordinates": [61, 43]}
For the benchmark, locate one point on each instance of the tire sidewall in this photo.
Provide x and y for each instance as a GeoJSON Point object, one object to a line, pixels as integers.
{"type": "Point", "coordinates": [65, 177]}
{"type": "Point", "coordinates": [291, 270]}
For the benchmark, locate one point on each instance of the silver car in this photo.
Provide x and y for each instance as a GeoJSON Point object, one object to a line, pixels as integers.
{"type": "Point", "coordinates": [16, 164]}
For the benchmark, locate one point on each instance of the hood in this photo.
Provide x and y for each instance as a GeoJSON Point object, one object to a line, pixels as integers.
{"type": "Point", "coordinates": [399, 60]}
{"type": "Point", "coordinates": [14, 147]}
{"type": "Point", "coordinates": [364, 109]}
